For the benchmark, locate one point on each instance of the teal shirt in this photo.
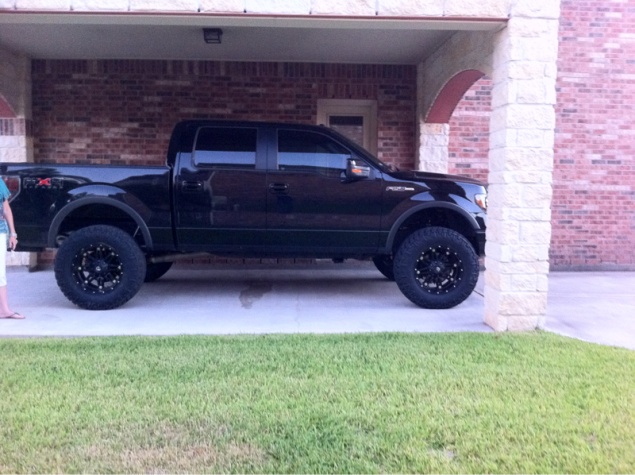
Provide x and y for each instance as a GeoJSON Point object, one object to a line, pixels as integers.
{"type": "Point", "coordinates": [4, 195]}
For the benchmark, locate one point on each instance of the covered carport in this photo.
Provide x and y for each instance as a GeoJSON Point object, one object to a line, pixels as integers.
{"type": "Point", "coordinates": [452, 43]}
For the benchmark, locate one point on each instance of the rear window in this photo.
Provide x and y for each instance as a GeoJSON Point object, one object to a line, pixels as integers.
{"type": "Point", "coordinates": [226, 147]}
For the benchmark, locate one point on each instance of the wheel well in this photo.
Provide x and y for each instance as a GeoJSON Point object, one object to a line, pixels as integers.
{"type": "Point", "coordinates": [96, 213]}
{"type": "Point", "coordinates": [441, 217]}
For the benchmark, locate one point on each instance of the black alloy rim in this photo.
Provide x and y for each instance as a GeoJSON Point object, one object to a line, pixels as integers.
{"type": "Point", "coordinates": [97, 269]}
{"type": "Point", "coordinates": [439, 270]}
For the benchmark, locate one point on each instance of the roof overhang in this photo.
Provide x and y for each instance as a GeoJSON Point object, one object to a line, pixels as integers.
{"type": "Point", "coordinates": [362, 40]}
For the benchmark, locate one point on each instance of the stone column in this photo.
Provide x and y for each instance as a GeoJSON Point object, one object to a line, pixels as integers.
{"type": "Point", "coordinates": [434, 141]}
{"type": "Point", "coordinates": [521, 163]}
{"type": "Point", "coordinates": [16, 143]}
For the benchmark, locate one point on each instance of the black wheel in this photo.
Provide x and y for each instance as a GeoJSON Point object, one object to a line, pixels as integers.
{"type": "Point", "coordinates": [156, 270]}
{"type": "Point", "coordinates": [384, 264]}
{"type": "Point", "coordinates": [99, 267]}
{"type": "Point", "coordinates": [436, 268]}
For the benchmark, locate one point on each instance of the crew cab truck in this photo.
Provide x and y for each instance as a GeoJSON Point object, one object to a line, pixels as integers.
{"type": "Point", "coordinates": [251, 189]}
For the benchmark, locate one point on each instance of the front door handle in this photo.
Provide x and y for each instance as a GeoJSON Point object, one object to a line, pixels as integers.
{"type": "Point", "coordinates": [279, 188]}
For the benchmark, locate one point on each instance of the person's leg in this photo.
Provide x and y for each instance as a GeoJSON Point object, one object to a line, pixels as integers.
{"type": "Point", "coordinates": [4, 302]}
{"type": "Point", "coordinates": [5, 310]}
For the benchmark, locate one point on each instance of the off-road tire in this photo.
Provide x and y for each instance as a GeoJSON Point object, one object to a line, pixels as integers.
{"type": "Point", "coordinates": [99, 267]}
{"type": "Point", "coordinates": [436, 268]}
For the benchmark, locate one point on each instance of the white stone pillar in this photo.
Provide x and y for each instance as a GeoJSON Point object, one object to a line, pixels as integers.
{"type": "Point", "coordinates": [521, 162]}
{"type": "Point", "coordinates": [434, 141]}
{"type": "Point", "coordinates": [15, 143]}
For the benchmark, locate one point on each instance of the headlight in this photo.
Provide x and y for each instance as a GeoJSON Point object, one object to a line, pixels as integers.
{"type": "Point", "coordinates": [481, 200]}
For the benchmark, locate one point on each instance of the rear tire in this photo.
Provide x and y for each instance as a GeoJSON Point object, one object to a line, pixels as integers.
{"type": "Point", "coordinates": [436, 268]}
{"type": "Point", "coordinates": [99, 267]}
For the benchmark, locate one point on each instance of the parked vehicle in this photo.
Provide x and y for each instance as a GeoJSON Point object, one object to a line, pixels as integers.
{"type": "Point", "coordinates": [251, 189]}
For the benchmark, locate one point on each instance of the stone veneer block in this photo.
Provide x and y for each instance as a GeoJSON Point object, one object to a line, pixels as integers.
{"type": "Point", "coordinates": [526, 159]}
{"type": "Point", "coordinates": [279, 7]}
{"type": "Point", "coordinates": [43, 4]}
{"type": "Point", "coordinates": [190, 6]}
{"type": "Point", "coordinates": [433, 151]}
{"type": "Point", "coordinates": [100, 5]}
{"type": "Point", "coordinates": [13, 155]}
{"type": "Point", "coordinates": [536, 9]}
{"type": "Point", "coordinates": [410, 8]}
{"type": "Point", "coordinates": [523, 323]}
{"type": "Point", "coordinates": [533, 28]}
{"type": "Point", "coordinates": [222, 6]}
{"type": "Point", "coordinates": [492, 316]}
{"type": "Point", "coordinates": [526, 116]}
{"type": "Point", "coordinates": [343, 7]}
{"type": "Point", "coordinates": [481, 8]}
{"type": "Point", "coordinates": [517, 303]}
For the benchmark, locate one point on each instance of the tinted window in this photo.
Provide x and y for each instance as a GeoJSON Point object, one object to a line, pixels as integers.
{"type": "Point", "coordinates": [311, 152]}
{"type": "Point", "coordinates": [226, 147]}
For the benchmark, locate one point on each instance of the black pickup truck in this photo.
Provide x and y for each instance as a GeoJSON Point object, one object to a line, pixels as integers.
{"type": "Point", "coordinates": [251, 189]}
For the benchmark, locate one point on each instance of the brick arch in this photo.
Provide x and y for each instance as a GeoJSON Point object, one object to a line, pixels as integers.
{"type": "Point", "coordinates": [451, 93]}
{"type": "Point", "coordinates": [6, 111]}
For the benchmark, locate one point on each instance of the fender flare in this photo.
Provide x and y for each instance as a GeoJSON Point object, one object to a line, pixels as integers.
{"type": "Point", "coordinates": [471, 220]}
{"type": "Point", "coordinates": [102, 200]}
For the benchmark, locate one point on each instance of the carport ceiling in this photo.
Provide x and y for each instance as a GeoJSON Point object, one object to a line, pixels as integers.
{"type": "Point", "coordinates": [245, 38]}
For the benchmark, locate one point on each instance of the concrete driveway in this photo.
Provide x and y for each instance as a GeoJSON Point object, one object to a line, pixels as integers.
{"type": "Point", "coordinates": [316, 298]}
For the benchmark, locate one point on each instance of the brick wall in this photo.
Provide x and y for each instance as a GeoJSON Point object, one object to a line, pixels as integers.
{"type": "Point", "coordinates": [122, 112]}
{"type": "Point", "coordinates": [594, 178]}
{"type": "Point", "coordinates": [469, 132]}
{"type": "Point", "coordinates": [593, 210]}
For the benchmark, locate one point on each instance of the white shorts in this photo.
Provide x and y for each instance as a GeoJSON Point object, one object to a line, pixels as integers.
{"type": "Point", "coordinates": [3, 258]}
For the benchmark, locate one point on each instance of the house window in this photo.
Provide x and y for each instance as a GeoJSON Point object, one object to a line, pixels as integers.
{"type": "Point", "coordinates": [353, 118]}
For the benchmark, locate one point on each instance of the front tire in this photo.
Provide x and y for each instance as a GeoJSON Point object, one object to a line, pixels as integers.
{"type": "Point", "coordinates": [436, 268]}
{"type": "Point", "coordinates": [99, 267]}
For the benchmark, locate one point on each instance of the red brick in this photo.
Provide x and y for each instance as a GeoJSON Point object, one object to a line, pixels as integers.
{"type": "Point", "coordinates": [126, 109]}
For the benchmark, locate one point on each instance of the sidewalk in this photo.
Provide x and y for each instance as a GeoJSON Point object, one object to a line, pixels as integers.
{"type": "Point", "coordinates": [593, 306]}
{"type": "Point", "coordinates": [319, 298]}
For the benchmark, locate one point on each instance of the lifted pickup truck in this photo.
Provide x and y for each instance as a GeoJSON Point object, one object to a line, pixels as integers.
{"type": "Point", "coordinates": [251, 189]}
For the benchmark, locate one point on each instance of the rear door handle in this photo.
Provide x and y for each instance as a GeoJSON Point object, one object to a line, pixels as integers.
{"type": "Point", "coordinates": [279, 188]}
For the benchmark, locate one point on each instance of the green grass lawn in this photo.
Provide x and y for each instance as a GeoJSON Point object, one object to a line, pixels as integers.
{"type": "Point", "coordinates": [370, 403]}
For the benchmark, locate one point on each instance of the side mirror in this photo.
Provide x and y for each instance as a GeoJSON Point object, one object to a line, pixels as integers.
{"type": "Point", "coordinates": [356, 170]}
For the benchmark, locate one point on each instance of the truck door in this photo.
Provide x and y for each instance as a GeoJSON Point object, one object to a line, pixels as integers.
{"type": "Point", "coordinates": [311, 205]}
{"type": "Point", "coordinates": [220, 191]}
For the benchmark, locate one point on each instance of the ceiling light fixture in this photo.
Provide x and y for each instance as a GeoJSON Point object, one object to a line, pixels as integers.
{"type": "Point", "coordinates": [212, 35]}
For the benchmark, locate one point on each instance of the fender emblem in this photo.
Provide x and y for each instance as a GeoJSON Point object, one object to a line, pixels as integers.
{"type": "Point", "coordinates": [43, 183]}
{"type": "Point", "coordinates": [399, 188]}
